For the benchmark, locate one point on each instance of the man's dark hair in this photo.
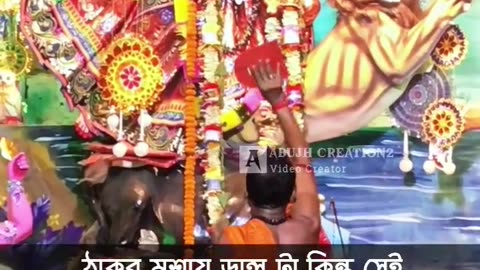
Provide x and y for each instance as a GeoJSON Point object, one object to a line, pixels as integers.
{"type": "Point", "coordinates": [274, 188]}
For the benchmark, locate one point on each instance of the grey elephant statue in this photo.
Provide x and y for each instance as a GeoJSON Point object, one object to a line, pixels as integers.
{"type": "Point", "coordinates": [130, 201]}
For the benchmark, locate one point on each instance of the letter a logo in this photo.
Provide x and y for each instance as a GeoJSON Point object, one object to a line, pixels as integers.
{"type": "Point", "coordinates": [252, 160]}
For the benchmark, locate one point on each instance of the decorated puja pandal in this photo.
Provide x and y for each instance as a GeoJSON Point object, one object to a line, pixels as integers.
{"type": "Point", "coordinates": [15, 63]}
{"type": "Point", "coordinates": [114, 60]}
{"type": "Point", "coordinates": [428, 109]}
{"type": "Point", "coordinates": [157, 78]}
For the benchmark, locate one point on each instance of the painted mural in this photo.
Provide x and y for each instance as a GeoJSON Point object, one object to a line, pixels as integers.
{"type": "Point", "coordinates": [379, 203]}
{"type": "Point", "coordinates": [87, 86]}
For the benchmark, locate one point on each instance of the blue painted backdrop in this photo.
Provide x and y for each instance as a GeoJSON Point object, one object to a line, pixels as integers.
{"type": "Point", "coordinates": [378, 204]}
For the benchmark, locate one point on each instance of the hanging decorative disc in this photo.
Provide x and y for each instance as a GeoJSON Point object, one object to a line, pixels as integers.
{"type": "Point", "coordinates": [451, 49]}
{"type": "Point", "coordinates": [15, 56]}
{"type": "Point", "coordinates": [423, 89]}
{"type": "Point", "coordinates": [443, 124]}
{"type": "Point", "coordinates": [130, 75]}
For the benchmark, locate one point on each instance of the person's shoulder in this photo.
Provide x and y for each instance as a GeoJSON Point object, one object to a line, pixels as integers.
{"type": "Point", "coordinates": [301, 222]}
{"type": "Point", "coordinates": [297, 231]}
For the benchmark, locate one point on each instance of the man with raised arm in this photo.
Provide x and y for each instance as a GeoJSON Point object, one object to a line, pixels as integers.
{"type": "Point", "coordinates": [270, 193]}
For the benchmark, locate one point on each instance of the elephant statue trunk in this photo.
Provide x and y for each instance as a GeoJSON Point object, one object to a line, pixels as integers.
{"type": "Point", "coordinates": [129, 200]}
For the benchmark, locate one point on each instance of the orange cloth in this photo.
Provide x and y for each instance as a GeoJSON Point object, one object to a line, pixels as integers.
{"type": "Point", "coordinates": [255, 232]}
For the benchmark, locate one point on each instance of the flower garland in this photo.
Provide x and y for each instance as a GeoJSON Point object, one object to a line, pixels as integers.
{"type": "Point", "coordinates": [267, 125]}
{"type": "Point", "coordinates": [273, 29]}
{"type": "Point", "coordinates": [288, 32]}
{"type": "Point", "coordinates": [292, 27]}
{"type": "Point", "coordinates": [190, 128]}
{"type": "Point", "coordinates": [211, 109]}
{"type": "Point", "coordinates": [219, 117]}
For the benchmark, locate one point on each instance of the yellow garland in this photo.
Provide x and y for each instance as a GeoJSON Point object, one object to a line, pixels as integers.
{"type": "Point", "coordinates": [267, 127]}
{"type": "Point", "coordinates": [211, 61]}
{"type": "Point", "coordinates": [190, 129]}
{"type": "Point", "coordinates": [273, 29]}
{"type": "Point", "coordinates": [292, 17]}
{"type": "Point", "coordinates": [211, 56]}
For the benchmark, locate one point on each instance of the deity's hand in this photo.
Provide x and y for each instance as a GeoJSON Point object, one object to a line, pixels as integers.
{"type": "Point", "coordinates": [268, 81]}
{"type": "Point", "coordinates": [18, 167]}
